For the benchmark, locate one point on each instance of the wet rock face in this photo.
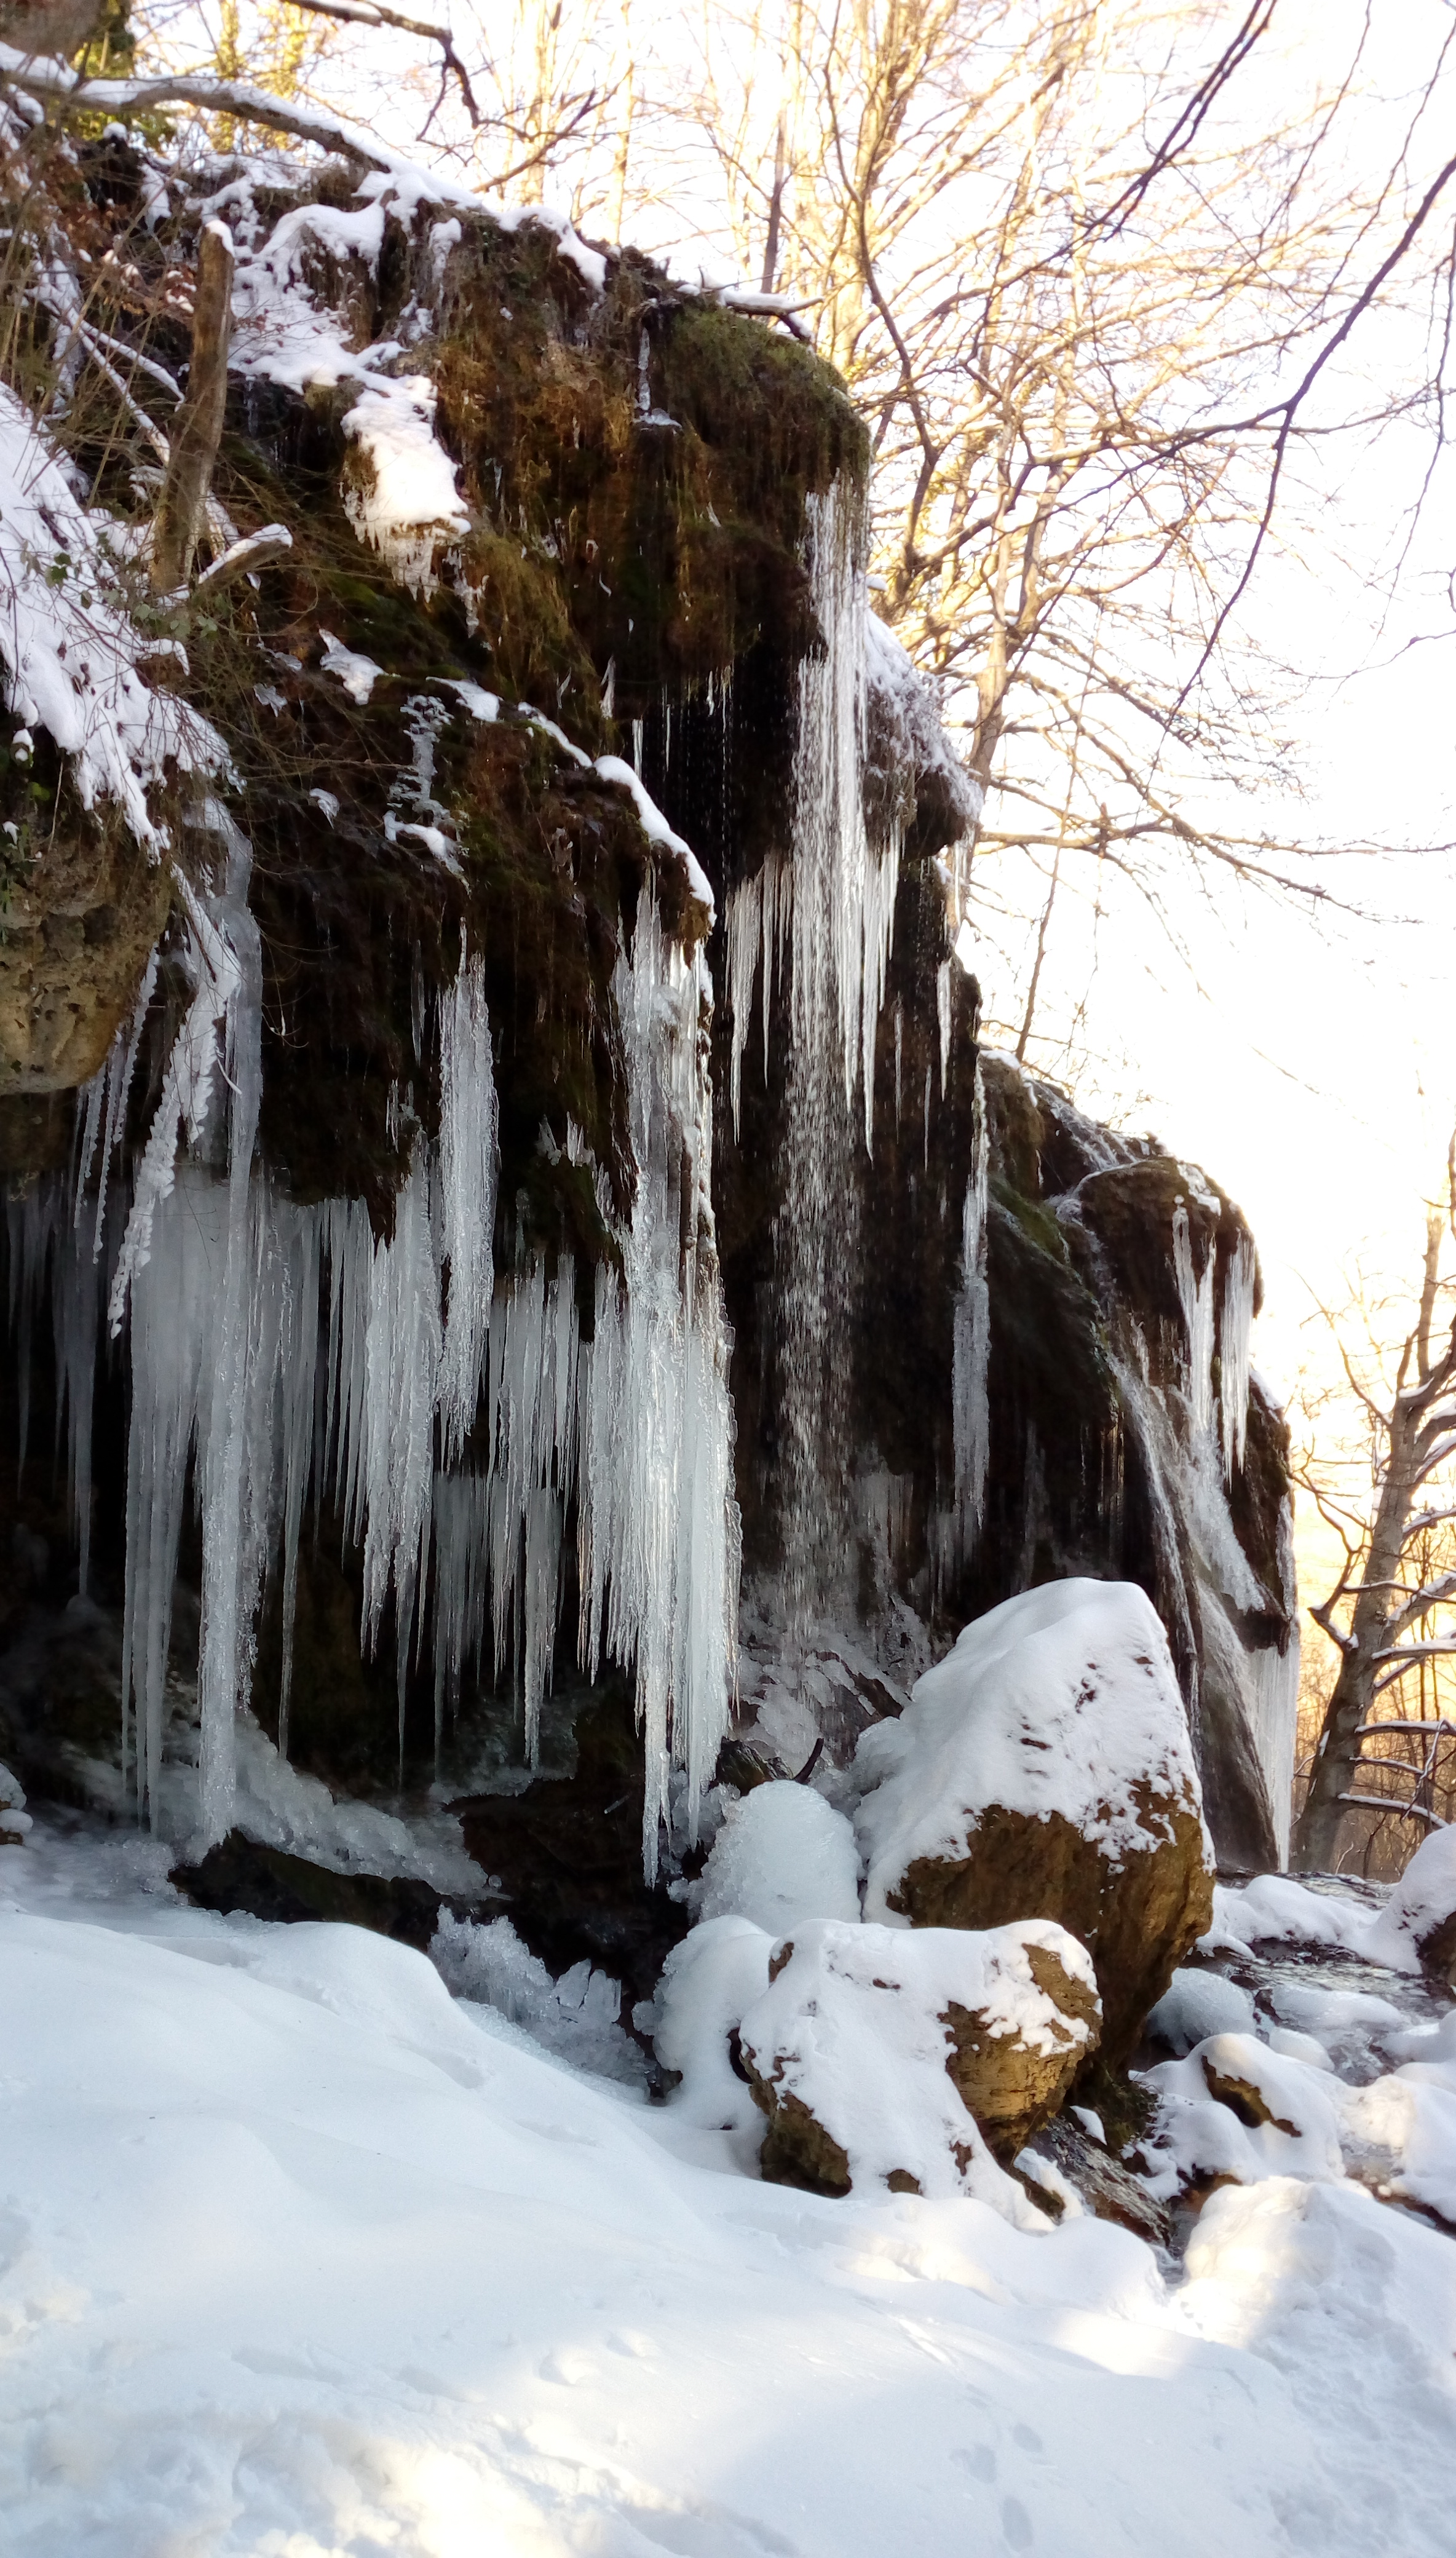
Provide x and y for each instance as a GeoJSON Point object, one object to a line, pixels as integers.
{"type": "Point", "coordinates": [850, 2051]}
{"type": "Point", "coordinates": [1100, 1462]}
{"type": "Point", "coordinates": [240, 1873]}
{"type": "Point", "coordinates": [566, 1855]}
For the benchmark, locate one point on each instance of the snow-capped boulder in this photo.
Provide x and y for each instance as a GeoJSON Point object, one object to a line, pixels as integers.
{"type": "Point", "coordinates": [710, 1982]}
{"type": "Point", "coordinates": [915, 2059]}
{"type": "Point", "coordinates": [1043, 1770]}
{"type": "Point", "coordinates": [1232, 2111]}
{"type": "Point", "coordinates": [1420, 1918]}
{"type": "Point", "coordinates": [782, 1855]}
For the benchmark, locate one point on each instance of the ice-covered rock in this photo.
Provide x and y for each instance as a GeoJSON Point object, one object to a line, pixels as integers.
{"type": "Point", "coordinates": [1420, 1918]}
{"type": "Point", "coordinates": [1043, 1770]}
{"type": "Point", "coordinates": [709, 1984]}
{"type": "Point", "coordinates": [908, 2057]}
{"type": "Point", "coordinates": [1197, 2004]}
{"type": "Point", "coordinates": [782, 1856]}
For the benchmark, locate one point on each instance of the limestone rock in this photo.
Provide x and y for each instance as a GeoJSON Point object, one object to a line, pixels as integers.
{"type": "Point", "coordinates": [80, 924]}
{"type": "Point", "coordinates": [915, 2058]}
{"type": "Point", "coordinates": [1043, 1770]}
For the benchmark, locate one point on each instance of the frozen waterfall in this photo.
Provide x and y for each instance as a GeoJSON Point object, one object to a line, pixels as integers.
{"type": "Point", "coordinates": [452, 1414]}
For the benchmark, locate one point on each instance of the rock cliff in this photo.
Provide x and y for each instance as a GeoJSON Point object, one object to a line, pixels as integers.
{"type": "Point", "coordinates": [531, 1158]}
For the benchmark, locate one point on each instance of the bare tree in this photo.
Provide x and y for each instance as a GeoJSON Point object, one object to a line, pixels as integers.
{"type": "Point", "coordinates": [1092, 296]}
{"type": "Point", "coordinates": [1391, 1616]}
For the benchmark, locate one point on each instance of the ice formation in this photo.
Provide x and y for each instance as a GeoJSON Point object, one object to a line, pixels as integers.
{"type": "Point", "coordinates": [282, 1350]}
{"type": "Point", "coordinates": [971, 1345]}
{"type": "Point", "coordinates": [1235, 1323]}
{"type": "Point", "coordinates": [1196, 1297]}
{"type": "Point", "coordinates": [829, 910]}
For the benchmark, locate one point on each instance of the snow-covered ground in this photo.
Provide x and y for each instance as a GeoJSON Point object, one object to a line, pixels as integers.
{"type": "Point", "coordinates": [302, 2258]}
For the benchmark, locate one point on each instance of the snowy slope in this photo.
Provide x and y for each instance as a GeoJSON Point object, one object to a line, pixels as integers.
{"type": "Point", "coordinates": [301, 2258]}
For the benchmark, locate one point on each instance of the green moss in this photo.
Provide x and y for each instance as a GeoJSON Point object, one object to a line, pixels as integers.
{"type": "Point", "coordinates": [1037, 1223]}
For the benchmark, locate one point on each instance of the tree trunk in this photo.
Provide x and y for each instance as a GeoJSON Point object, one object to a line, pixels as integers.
{"type": "Point", "coordinates": [198, 429]}
{"type": "Point", "coordinates": [1339, 1748]}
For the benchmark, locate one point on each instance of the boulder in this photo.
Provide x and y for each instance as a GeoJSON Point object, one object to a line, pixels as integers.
{"type": "Point", "coordinates": [241, 1873]}
{"type": "Point", "coordinates": [1043, 1770]}
{"type": "Point", "coordinates": [916, 2060]}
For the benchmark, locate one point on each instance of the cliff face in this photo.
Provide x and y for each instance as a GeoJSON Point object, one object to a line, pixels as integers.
{"type": "Point", "coordinates": [529, 1117]}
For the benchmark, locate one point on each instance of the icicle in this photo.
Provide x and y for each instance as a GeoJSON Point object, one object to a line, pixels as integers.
{"type": "Point", "coordinates": [831, 856]}
{"type": "Point", "coordinates": [401, 1360]}
{"type": "Point", "coordinates": [187, 1085]}
{"type": "Point", "coordinates": [1197, 1301]}
{"type": "Point", "coordinates": [758, 916]}
{"type": "Point", "coordinates": [658, 1524]}
{"type": "Point", "coordinates": [468, 1158]}
{"type": "Point", "coordinates": [105, 1098]}
{"type": "Point", "coordinates": [538, 1604]}
{"type": "Point", "coordinates": [942, 1017]}
{"type": "Point", "coordinates": [460, 1511]}
{"type": "Point", "coordinates": [172, 1302]}
{"type": "Point", "coordinates": [1235, 1323]}
{"type": "Point", "coordinates": [75, 1317]}
{"type": "Point", "coordinates": [899, 1060]}
{"type": "Point", "coordinates": [744, 928]}
{"type": "Point", "coordinates": [971, 1343]}
{"type": "Point", "coordinates": [299, 1233]}
{"type": "Point", "coordinates": [31, 1222]}
{"type": "Point", "coordinates": [1273, 1685]}
{"type": "Point", "coordinates": [223, 1283]}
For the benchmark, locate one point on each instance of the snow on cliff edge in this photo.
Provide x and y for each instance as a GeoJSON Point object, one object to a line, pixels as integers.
{"type": "Point", "coordinates": [71, 655]}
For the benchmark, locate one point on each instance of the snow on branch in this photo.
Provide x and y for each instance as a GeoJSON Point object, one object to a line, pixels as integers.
{"type": "Point", "coordinates": [1387, 1803]}
{"type": "Point", "coordinates": [58, 86]}
{"type": "Point", "coordinates": [71, 656]}
{"type": "Point", "coordinates": [1400, 1724]}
